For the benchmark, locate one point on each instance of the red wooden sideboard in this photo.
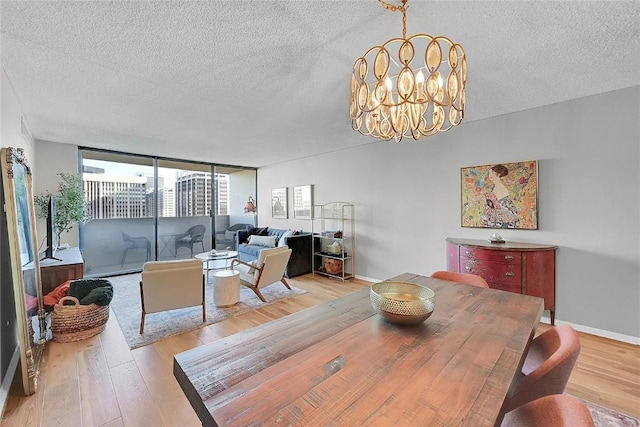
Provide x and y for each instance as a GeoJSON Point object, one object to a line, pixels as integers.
{"type": "Point", "coordinates": [525, 268]}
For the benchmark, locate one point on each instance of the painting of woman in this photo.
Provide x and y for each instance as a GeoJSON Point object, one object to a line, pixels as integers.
{"type": "Point", "coordinates": [500, 196]}
{"type": "Point", "coordinates": [500, 211]}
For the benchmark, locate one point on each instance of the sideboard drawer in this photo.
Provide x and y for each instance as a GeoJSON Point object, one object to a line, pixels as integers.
{"type": "Point", "coordinates": [491, 255]}
{"type": "Point", "coordinates": [507, 277]}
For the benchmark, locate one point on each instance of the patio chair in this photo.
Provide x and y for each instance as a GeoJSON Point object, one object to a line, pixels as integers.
{"type": "Point", "coordinates": [132, 243]}
{"type": "Point", "coordinates": [268, 269]}
{"type": "Point", "coordinates": [192, 236]}
{"type": "Point", "coordinates": [168, 285]}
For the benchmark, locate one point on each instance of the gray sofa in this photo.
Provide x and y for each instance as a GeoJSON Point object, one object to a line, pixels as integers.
{"type": "Point", "coordinates": [300, 245]}
{"type": "Point", "coordinates": [227, 238]}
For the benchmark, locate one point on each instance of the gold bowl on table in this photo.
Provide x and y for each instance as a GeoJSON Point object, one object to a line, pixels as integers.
{"type": "Point", "coordinates": [402, 303]}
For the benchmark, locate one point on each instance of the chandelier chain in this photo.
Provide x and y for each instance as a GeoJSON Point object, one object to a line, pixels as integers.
{"type": "Point", "coordinates": [394, 8]}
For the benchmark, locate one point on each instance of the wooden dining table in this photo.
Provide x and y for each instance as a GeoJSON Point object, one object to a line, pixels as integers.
{"type": "Point", "coordinates": [340, 364]}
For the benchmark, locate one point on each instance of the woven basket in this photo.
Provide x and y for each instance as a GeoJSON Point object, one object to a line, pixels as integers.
{"type": "Point", "coordinates": [76, 322]}
{"type": "Point", "coordinates": [333, 266]}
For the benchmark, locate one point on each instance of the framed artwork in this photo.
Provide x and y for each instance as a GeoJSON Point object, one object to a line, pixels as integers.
{"type": "Point", "coordinates": [279, 203]}
{"type": "Point", "coordinates": [302, 201]}
{"type": "Point", "coordinates": [503, 195]}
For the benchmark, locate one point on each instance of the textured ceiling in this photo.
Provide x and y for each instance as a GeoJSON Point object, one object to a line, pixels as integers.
{"type": "Point", "coordinates": [259, 82]}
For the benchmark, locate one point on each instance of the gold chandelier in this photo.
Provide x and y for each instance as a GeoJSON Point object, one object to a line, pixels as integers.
{"type": "Point", "coordinates": [401, 95]}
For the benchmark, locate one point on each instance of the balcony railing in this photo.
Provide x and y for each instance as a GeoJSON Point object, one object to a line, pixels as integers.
{"type": "Point", "coordinates": [106, 250]}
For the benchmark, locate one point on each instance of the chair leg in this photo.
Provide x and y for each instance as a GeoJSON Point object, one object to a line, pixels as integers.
{"type": "Point", "coordinates": [257, 291]}
{"type": "Point", "coordinates": [204, 310]}
{"type": "Point", "coordinates": [283, 280]}
{"type": "Point", "coordinates": [142, 323]}
{"type": "Point", "coordinates": [124, 255]}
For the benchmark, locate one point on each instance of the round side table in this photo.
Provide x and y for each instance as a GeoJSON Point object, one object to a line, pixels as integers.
{"type": "Point", "coordinates": [226, 287]}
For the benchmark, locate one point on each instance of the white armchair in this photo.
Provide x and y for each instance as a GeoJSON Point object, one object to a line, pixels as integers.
{"type": "Point", "coordinates": [268, 269]}
{"type": "Point", "coordinates": [168, 285]}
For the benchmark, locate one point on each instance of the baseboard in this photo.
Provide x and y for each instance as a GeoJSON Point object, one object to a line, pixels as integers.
{"type": "Point", "coordinates": [598, 332]}
{"type": "Point", "coordinates": [8, 379]}
{"type": "Point", "coordinates": [367, 279]}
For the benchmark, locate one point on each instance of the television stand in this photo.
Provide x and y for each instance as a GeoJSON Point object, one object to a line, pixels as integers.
{"type": "Point", "coordinates": [45, 257]}
{"type": "Point", "coordinates": [54, 272]}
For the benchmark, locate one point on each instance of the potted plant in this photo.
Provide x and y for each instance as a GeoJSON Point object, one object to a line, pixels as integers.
{"type": "Point", "coordinates": [70, 207]}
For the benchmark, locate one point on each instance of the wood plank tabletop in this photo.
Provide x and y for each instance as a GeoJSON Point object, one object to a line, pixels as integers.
{"type": "Point", "coordinates": [339, 363]}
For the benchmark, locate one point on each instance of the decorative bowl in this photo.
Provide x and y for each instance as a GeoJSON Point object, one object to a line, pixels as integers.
{"type": "Point", "coordinates": [402, 303]}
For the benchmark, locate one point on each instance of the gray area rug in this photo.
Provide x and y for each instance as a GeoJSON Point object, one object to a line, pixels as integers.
{"type": "Point", "coordinates": [127, 309]}
{"type": "Point", "coordinates": [605, 417]}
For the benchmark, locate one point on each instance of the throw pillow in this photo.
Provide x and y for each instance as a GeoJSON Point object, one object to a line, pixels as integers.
{"type": "Point", "coordinates": [264, 231]}
{"type": "Point", "coordinates": [283, 239]}
{"type": "Point", "coordinates": [252, 270]}
{"type": "Point", "coordinates": [266, 241]}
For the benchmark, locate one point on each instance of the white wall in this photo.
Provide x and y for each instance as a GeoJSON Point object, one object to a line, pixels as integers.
{"type": "Point", "coordinates": [53, 158]}
{"type": "Point", "coordinates": [47, 158]}
{"type": "Point", "coordinates": [407, 199]}
{"type": "Point", "coordinates": [11, 116]}
{"type": "Point", "coordinates": [242, 184]}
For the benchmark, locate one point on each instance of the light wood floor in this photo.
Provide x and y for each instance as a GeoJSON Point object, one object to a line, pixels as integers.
{"type": "Point", "coordinates": [100, 382]}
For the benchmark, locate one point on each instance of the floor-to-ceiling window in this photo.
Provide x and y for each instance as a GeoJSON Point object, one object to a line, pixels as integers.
{"type": "Point", "coordinates": [142, 208]}
{"type": "Point", "coordinates": [232, 190]}
{"type": "Point", "coordinates": [184, 209]}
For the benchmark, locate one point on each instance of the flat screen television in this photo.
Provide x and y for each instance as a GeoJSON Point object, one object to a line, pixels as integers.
{"type": "Point", "coordinates": [52, 237]}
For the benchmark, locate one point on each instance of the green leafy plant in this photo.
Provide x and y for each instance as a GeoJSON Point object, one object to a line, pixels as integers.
{"type": "Point", "coordinates": [70, 205]}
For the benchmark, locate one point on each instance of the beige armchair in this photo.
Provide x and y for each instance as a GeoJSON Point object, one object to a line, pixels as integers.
{"type": "Point", "coordinates": [268, 269]}
{"type": "Point", "coordinates": [168, 285]}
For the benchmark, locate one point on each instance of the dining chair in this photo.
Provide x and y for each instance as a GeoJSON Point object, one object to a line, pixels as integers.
{"type": "Point", "coordinates": [558, 410]}
{"type": "Point", "coordinates": [269, 268]}
{"type": "Point", "coordinates": [547, 366]}
{"type": "Point", "coordinates": [466, 278]}
{"type": "Point", "coordinates": [168, 285]}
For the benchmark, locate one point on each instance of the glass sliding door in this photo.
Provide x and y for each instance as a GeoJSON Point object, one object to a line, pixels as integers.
{"type": "Point", "coordinates": [233, 188]}
{"type": "Point", "coordinates": [118, 235]}
{"type": "Point", "coordinates": [142, 208]}
{"type": "Point", "coordinates": [184, 209]}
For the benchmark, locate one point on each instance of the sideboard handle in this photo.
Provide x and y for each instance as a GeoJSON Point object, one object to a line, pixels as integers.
{"type": "Point", "coordinates": [508, 257]}
{"type": "Point", "coordinates": [509, 274]}
{"type": "Point", "coordinates": [467, 253]}
{"type": "Point", "coordinates": [468, 268]}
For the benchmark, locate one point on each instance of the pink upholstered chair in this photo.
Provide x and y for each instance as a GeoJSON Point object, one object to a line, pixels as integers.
{"type": "Point", "coordinates": [558, 410]}
{"type": "Point", "coordinates": [466, 278]}
{"type": "Point", "coordinates": [547, 366]}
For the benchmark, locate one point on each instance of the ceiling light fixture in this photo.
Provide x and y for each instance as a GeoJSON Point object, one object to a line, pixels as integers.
{"type": "Point", "coordinates": [420, 90]}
